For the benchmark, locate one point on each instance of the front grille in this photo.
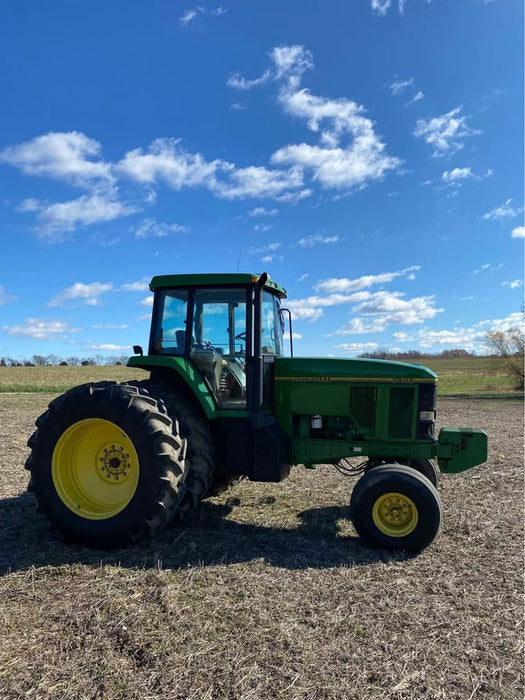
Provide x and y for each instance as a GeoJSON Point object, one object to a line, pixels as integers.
{"type": "Point", "coordinates": [401, 412]}
{"type": "Point", "coordinates": [362, 400]}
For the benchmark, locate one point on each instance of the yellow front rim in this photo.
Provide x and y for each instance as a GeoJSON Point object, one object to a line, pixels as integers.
{"type": "Point", "coordinates": [395, 514]}
{"type": "Point", "coordinates": [95, 469]}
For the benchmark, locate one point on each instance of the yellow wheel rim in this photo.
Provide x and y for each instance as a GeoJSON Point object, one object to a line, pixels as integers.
{"type": "Point", "coordinates": [95, 469]}
{"type": "Point", "coordinates": [395, 514]}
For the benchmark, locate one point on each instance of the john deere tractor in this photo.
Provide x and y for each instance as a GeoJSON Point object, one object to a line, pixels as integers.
{"type": "Point", "coordinates": [112, 463]}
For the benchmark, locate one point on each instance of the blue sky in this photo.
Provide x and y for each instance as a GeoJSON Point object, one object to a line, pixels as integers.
{"type": "Point", "coordinates": [368, 154]}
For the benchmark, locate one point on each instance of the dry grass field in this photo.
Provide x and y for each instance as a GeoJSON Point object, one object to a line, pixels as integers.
{"type": "Point", "coordinates": [458, 376]}
{"type": "Point", "coordinates": [269, 593]}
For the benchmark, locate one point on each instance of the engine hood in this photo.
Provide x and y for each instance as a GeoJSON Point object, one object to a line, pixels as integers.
{"type": "Point", "coordinates": [321, 370]}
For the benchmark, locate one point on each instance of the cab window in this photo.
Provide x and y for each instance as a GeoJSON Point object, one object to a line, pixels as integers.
{"type": "Point", "coordinates": [169, 333]}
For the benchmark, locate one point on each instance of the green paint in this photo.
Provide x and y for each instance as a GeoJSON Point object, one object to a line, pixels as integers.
{"type": "Point", "coordinates": [188, 372]}
{"type": "Point", "coordinates": [460, 449]}
{"type": "Point", "coordinates": [213, 280]}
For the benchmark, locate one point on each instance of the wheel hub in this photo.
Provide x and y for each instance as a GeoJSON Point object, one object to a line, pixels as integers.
{"type": "Point", "coordinates": [95, 468]}
{"type": "Point", "coordinates": [113, 462]}
{"type": "Point", "coordinates": [395, 514]}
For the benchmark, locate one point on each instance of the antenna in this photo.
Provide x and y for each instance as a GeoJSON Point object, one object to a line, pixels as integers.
{"type": "Point", "coordinates": [239, 260]}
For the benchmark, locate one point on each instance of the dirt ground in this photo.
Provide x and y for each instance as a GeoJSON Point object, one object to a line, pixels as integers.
{"type": "Point", "coordinates": [270, 594]}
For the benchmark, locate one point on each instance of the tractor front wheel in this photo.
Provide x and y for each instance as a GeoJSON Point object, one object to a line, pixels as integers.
{"type": "Point", "coordinates": [106, 465]}
{"type": "Point", "coordinates": [396, 507]}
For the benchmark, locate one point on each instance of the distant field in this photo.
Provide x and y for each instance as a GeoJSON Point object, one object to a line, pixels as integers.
{"type": "Point", "coordinates": [477, 376]}
{"type": "Point", "coordinates": [59, 379]}
{"type": "Point", "coordinates": [473, 376]}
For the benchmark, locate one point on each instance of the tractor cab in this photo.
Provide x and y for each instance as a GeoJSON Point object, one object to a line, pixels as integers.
{"type": "Point", "coordinates": [221, 324]}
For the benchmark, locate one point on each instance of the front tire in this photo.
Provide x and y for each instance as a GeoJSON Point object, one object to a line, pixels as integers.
{"type": "Point", "coordinates": [107, 465]}
{"type": "Point", "coordinates": [396, 507]}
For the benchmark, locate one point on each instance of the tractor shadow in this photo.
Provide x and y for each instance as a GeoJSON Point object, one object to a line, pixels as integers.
{"type": "Point", "coordinates": [211, 539]}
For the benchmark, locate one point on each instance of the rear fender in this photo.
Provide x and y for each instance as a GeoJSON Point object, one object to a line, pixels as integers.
{"type": "Point", "coordinates": [185, 370]}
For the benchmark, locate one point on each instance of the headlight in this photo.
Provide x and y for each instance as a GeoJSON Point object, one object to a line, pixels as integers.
{"type": "Point", "coordinates": [427, 416]}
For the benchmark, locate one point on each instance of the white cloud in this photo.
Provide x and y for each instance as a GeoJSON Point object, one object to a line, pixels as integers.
{"type": "Point", "coordinates": [488, 267]}
{"type": "Point", "coordinates": [350, 153]}
{"type": "Point", "coordinates": [259, 182]}
{"type": "Point", "coordinates": [348, 285]}
{"type": "Point", "coordinates": [150, 228]}
{"type": "Point", "coordinates": [189, 16]}
{"type": "Point", "coordinates": [502, 212]}
{"type": "Point", "coordinates": [111, 326]}
{"type": "Point", "coordinates": [381, 7]}
{"type": "Point", "coordinates": [167, 161]}
{"type": "Point", "coordinates": [270, 247]}
{"type": "Point", "coordinates": [238, 82]}
{"type": "Point", "coordinates": [417, 97]}
{"type": "Point", "coordinates": [457, 174]}
{"type": "Point", "coordinates": [357, 326]}
{"type": "Point", "coordinates": [57, 219]}
{"type": "Point", "coordinates": [311, 308]}
{"type": "Point", "coordinates": [110, 347]}
{"type": "Point", "coordinates": [262, 211]}
{"type": "Point", "coordinates": [304, 313]}
{"type": "Point", "coordinates": [403, 336]}
{"type": "Point", "coordinates": [262, 227]}
{"type": "Point", "coordinates": [310, 241]}
{"type": "Point", "coordinates": [147, 301]}
{"type": "Point", "coordinates": [88, 294]}
{"type": "Point", "coordinates": [471, 338]}
{"type": "Point", "coordinates": [41, 329]}
{"type": "Point", "coordinates": [387, 308]}
{"type": "Point", "coordinates": [5, 298]}
{"type": "Point", "coordinates": [514, 320]}
{"type": "Point", "coordinates": [138, 286]}
{"type": "Point", "coordinates": [445, 133]}
{"type": "Point", "coordinates": [72, 157]}
{"type": "Point", "coordinates": [356, 348]}
{"type": "Point", "coordinates": [466, 338]}
{"type": "Point", "coordinates": [394, 309]}
{"type": "Point", "coordinates": [302, 277]}
{"type": "Point", "coordinates": [398, 87]}
{"type": "Point", "coordinates": [515, 284]}
{"type": "Point", "coordinates": [518, 232]}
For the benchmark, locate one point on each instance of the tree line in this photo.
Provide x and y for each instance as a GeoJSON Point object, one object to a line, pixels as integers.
{"type": "Point", "coordinates": [386, 354]}
{"type": "Point", "coordinates": [56, 361]}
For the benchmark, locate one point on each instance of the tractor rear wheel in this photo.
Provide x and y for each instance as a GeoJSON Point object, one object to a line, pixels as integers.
{"type": "Point", "coordinates": [107, 467]}
{"type": "Point", "coordinates": [195, 428]}
{"type": "Point", "coordinates": [396, 507]}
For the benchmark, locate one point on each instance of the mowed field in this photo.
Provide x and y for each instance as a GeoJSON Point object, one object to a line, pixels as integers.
{"type": "Point", "coordinates": [269, 593]}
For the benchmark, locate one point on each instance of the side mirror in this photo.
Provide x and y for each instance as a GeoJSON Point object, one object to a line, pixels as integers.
{"type": "Point", "coordinates": [138, 350]}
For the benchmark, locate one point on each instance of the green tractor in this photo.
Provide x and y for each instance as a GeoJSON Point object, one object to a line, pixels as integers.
{"type": "Point", "coordinates": [111, 463]}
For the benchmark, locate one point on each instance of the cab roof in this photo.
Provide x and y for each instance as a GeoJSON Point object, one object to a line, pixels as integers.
{"type": "Point", "coordinates": [219, 279]}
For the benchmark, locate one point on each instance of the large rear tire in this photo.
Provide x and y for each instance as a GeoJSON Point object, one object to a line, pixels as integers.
{"type": "Point", "coordinates": [195, 429]}
{"type": "Point", "coordinates": [396, 507]}
{"type": "Point", "coordinates": [107, 464]}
